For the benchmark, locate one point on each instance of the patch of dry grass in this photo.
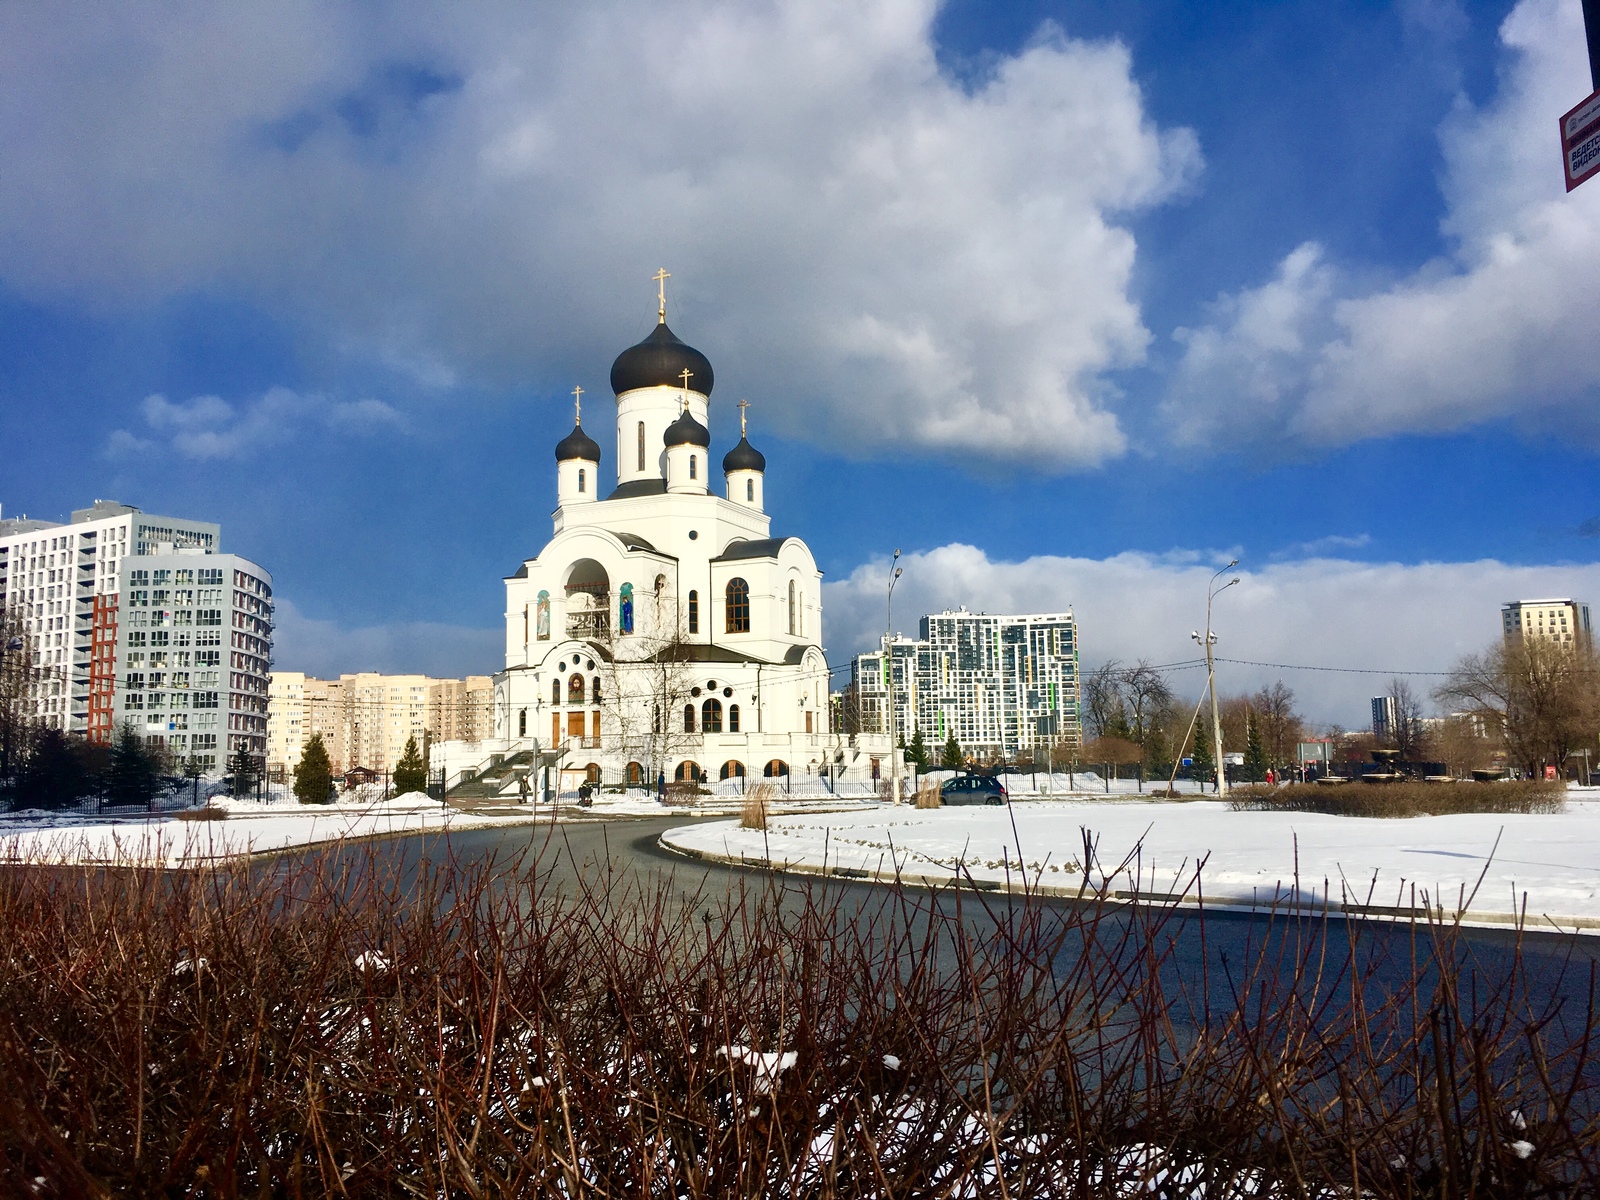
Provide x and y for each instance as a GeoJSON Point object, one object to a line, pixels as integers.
{"type": "Point", "coordinates": [203, 813]}
{"type": "Point", "coordinates": [757, 804]}
{"type": "Point", "coordinates": [928, 795]}
{"type": "Point", "coordinates": [1403, 799]}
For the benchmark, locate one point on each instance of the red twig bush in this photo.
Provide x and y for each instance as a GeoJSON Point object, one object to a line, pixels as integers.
{"type": "Point", "coordinates": [306, 1030]}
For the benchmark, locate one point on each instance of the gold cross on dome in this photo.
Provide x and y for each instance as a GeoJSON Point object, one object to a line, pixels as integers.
{"type": "Point", "coordinates": [687, 375]}
{"type": "Point", "coordinates": [661, 278]}
{"type": "Point", "coordinates": [577, 404]}
{"type": "Point", "coordinates": [743, 404]}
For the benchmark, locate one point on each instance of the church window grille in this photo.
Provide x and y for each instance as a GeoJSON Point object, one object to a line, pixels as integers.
{"type": "Point", "coordinates": [711, 716]}
{"type": "Point", "coordinates": [575, 690]}
{"type": "Point", "coordinates": [733, 721]}
{"type": "Point", "coordinates": [738, 606]}
{"type": "Point", "coordinates": [694, 612]}
{"type": "Point", "coordinates": [791, 608]}
{"type": "Point", "coordinates": [688, 718]}
{"type": "Point", "coordinates": [522, 723]}
{"type": "Point", "coordinates": [750, 490]}
{"type": "Point", "coordinates": [594, 690]}
{"type": "Point", "coordinates": [641, 445]}
{"type": "Point", "coordinates": [555, 691]}
{"type": "Point", "coordinates": [694, 468]}
{"type": "Point", "coordinates": [582, 479]}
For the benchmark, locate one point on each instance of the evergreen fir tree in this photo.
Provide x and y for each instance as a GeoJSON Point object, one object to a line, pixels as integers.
{"type": "Point", "coordinates": [918, 752]}
{"type": "Point", "coordinates": [313, 774]}
{"type": "Point", "coordinates": [951, 759]}
{"type": "Point", "coordinates": [245, 771]}
{"type": "Point", "coordinates": [131, 778]}
{"type": "Point", "coordinates": [1204, 766]}
{"type": "Point", "coordinates": [410, 773]}
{"type": "Point", "coordinates": [1255, 758]}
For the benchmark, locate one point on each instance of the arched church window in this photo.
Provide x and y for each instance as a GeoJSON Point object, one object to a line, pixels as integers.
{"type": "Point", "coordinates": [687, 772]}
{"type": "Point", "coordinates": [575, 690]}
{"type": "Point", "coordinates": [655, 718]}
{"type": "Point", "coordinates": [694, 466]}
{"type": "Point", "coordinates": [791, 608]}
{"type": "Point", "coordinates": [641, 445]}
{"type": "Point", "coordinates": [594, 690]}
{"type": "Point", "coordinates": [555, 691]}
{"type": "Point", "coordinates": [522, 722]}
{"type": "Point", "coordinates": [625, 609]}
{"type": "Point", "coordinates": [738, 606]}
{"type": "Point", "coordinates": [732, 770]}
{"type": "Point", "coordinates": [733, 718]}
{"type": "Point", "coordinates": [688, 718]}
{"type": "Point", "coordinates": [694, 612]}
{"type": "Point", "coordinates": [711, 716]}
{"type": "Point", "coordinates": [635, 774]}
{"type": "Point", "coordinates": [750, 490]}
{"type": "Point", "coordinates": [582, 478]}
{"type": "Point", "coordinates": [776, 769]}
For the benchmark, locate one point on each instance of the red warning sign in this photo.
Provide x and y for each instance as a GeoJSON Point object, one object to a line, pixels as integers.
{"type": "Point", "coordinates": [1580, 141]}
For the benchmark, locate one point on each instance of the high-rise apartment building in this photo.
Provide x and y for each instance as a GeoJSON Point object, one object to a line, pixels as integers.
{"type": "Point", "coordinates": [366, 719]}
{"type": "Point", "coordinates": [1564, 621]}
{"type": "Point", "coordinates": [1383, 717]}
{"type": "Point", "coordinates": [72, 586]}
{"type": "Point", "coordinates": [999, 684]}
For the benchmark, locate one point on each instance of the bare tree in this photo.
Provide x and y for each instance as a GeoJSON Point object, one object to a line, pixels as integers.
{"type": "Point", "coordinates": [1102, 700]}
{"type": "Point", "coordinates": [20, 678]}
{"type": "Point", "coordinates": [1409, 731]}
{"type": "Point", "coordinates": [1541, 693]}
{"type": "Point", "coordinates": [1281, 728]}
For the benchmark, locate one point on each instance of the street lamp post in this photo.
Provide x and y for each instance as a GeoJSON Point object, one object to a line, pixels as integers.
{"type": "Point", "coordinates": [888, 678]}
{"type": "Point", "coordinates": [1208, 641]}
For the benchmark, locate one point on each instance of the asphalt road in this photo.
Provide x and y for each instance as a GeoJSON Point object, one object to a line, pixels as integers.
{"type": "Point", "coordinates": [1209, 954]}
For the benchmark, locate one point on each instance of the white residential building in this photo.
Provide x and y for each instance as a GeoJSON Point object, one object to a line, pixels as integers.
{"type": "Point", "coordinates": [194, 653]}
{"type": "Point", "coordinates": [366, 719]}
{"type": "Point", "coordinates": [1564, 621]}
{"type": "Point", "coordinates": [1000, 685]}
{"type": "Point", "coordinates": [131, 617]}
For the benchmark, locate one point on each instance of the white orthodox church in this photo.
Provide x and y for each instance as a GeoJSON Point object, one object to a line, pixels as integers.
{"type": "Point", "coordinates": [663, 632]}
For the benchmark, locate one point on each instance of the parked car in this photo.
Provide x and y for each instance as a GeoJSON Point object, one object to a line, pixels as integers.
{"type": "Point", "coordinates": [972, 789]}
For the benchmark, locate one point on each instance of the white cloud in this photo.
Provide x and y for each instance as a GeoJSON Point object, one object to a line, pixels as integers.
{"type": "Point", "coordinates": [326, 649]}
{"type": "Point", "coordinates": [865, 246]}
{"type": "Point", "coordinates": [1388, 617]}
{"type": "Point", "coordinates": [1501, 328]}
{"type": "Point", "coordinates": [208, 427]}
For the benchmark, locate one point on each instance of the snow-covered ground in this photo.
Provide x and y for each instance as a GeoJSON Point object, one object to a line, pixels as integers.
{"type": "Point", "coordinates": [1549, 863]}
{"type": "Point", "coordinates": [164, 839]}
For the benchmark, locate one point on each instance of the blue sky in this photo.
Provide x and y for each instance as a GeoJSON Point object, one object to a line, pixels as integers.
{"type": "Point", "coordinates": [1071, 301]}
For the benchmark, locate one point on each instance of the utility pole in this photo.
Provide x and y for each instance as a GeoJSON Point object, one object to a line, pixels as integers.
{"type": "Point", "coordinates": [1208, 641]}
{"type": "Point", "coordinates": [888, 679]}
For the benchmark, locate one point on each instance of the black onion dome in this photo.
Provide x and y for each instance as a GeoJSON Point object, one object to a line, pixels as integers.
{"type": "Point", "coordinates": [686, 431]}
{"type": "Point", "coordinates": [660, 360]}
{"type": "Point", "coordinates": [578, 444]}
{"type": "Point", "coordinates": [743, 457]}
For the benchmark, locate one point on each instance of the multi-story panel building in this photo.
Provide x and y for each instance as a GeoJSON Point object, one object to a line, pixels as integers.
{"type": "Point", "coordinates": [1564, 621]}
{"type": "Point", "coordinates": [365, 720]}
{"type": "Point", "coordinates": [1383, 717]}
{"type": "Point", "coordinates": [194, 648]}
{"type": "Point", "coordinates": [64, 582]}
{"type": "Point", "coordinates": [999, 684]}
